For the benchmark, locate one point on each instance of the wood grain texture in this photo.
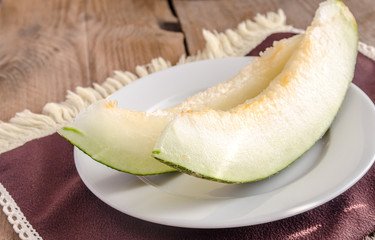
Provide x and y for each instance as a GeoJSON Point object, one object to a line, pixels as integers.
{"type": "Point", "coordinates": [221, 14]}
{"type": "Point", "coordinates": [124, 34]}
{"type": "Point", "coordinates": [49, 47]}
{"type": "Point", "coordinates": [40, 47]}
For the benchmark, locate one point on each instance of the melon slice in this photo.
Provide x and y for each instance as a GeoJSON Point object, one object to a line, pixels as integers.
{"type": "Point", "coordinates": [124, 139]}
{"type": "Point", "coordinates": [267, 133]}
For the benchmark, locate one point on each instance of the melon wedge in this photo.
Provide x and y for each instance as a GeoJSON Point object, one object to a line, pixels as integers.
{"type": "Point", "coordinates": [267, 133]}
{"type": "Point", "coordinates": [124, 139]}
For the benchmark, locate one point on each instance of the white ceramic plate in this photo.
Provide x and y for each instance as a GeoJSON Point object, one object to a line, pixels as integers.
{"type": "Point", "coordinates": [334, 164]}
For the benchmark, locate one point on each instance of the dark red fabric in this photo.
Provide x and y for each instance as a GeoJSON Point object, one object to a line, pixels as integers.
{"type": "Point", "coordinates": [42, 178]}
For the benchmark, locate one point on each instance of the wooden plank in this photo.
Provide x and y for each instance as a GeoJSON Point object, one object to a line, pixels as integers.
{"type": "Point", "coordinates": [42, 53]}
{"type": "Point", "coordinates": [134, 35]}
{"type": "Point", "coordinates": [49, 48]}
{"type": "Point", "coordinates": [221, 14]}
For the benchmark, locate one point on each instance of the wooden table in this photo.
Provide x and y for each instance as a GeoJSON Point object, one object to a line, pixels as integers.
{"type": "Point", "coordinates": [49, 47]}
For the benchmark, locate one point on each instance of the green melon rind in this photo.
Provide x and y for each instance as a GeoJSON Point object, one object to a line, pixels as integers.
{"type": "Point", "coordinates": [76, 131]}
{"type": "Point", "coordinates": [202, 176]}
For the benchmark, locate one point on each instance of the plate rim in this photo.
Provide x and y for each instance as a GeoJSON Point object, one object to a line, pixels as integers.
{"type": "Point", "coordinates": [306, 207]}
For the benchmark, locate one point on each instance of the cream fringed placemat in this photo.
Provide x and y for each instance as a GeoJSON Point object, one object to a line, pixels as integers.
{"type": "Point", "coordinates": [26, 126]}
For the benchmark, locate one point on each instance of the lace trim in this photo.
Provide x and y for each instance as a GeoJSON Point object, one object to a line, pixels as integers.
{"type": "Point", "coordinates": [26, 126]}
{"type": "Point", "coordinates": [16, 218]}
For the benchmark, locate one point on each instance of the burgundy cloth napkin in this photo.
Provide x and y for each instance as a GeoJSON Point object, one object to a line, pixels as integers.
{"type": "Point", "coordinates": [42, 179]}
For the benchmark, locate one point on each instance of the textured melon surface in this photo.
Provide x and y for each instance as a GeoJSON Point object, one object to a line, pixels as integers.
{"type": "Point", "coordinates": [248, 83]}
{"type": "Point", "coordinates": [124, 139]}
{"type": "Point", "coordinates": [267, 133]}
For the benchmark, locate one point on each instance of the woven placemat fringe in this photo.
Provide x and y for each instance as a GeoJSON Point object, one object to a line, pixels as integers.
{"type": "Point", "coordinates": [26, 126]}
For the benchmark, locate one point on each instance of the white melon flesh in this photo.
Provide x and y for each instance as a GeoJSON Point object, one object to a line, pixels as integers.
{"type": "Point", "coordinates": [267, 133]}
{"type": "Point", "coordinates": [124, 139]}
{"type": "Point", "coordinates": [248, 83]}
{"type": "Point", "coordinates": [118, 138]}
